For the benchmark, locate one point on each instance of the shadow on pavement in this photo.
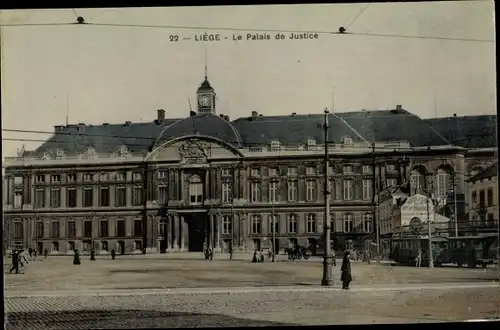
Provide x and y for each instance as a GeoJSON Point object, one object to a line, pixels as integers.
{"type": "Point", "coordinates": [129, 319]}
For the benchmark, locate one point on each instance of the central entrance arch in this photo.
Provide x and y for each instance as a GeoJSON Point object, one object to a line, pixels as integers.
{"type": "Point", "coordinates": [198, 231]}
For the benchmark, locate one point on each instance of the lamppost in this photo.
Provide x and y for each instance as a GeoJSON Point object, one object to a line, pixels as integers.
{"type": "Point", "coordinates": [273, 182]}
{"type": "Point", "coordinates": [327, 259]}
{"type": "Point", "coordinates": [429, 224]}
{"type": "Point", "coordinates": [455, 212]}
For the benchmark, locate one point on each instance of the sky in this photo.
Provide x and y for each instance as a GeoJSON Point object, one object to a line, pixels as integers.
{"type": "Point", "coordinates": [112, 74]}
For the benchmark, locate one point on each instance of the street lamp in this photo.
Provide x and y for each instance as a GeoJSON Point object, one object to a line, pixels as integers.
{"type": "Point", "coordinates": [327, 259]}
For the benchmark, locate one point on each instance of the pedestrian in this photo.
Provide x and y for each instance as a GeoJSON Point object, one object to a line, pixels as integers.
{"type": "Point", "coordinates": [261, 255]}
{"type": "Point", "coordinates": [15, 262]}
{"type": "Point", "coordinates": [418, 258]}
{"type": "Point", "coordinates": [76, 258]}
{"type": "Point", "coordinates": [113, 254]}
{"type": "Point", "coordinates": [334, 259]}
{"type": "Point", "coordinates": [346, 276]}
{"type": "Point", "coordinates": [92, 254]}
{"type": "Point", "coordinates": [22, 258]}
{"type": "Point", "coordinates": [45, 253]}
{"type": "Point", "coordinates": [30, 251]}
{"type": "Point", "coordinates": [35, 252]}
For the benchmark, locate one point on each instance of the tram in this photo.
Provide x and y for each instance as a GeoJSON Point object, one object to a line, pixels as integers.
{"type": "Point", "coordinates": [473, 250]}
{"type": "Point", "coordinates": [405, 250]}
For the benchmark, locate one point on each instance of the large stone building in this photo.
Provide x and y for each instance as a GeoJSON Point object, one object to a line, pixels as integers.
{"type": "Point", "coordinates": [174, 184]}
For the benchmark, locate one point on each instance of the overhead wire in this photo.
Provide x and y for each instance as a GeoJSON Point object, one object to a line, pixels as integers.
{"type": "Point", "coordinates": [357, 16]}
{"type": "Point", "coordinates": [233, 29]}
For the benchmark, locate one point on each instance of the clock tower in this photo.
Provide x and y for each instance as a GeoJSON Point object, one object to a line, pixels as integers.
{"type": "Point", "coordinates": [206, 97]}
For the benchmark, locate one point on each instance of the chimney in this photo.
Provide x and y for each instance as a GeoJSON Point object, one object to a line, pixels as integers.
{"type": "Point", "coordinates": [160, 114]}
{"type": "Point", "coordinates": [127, 123]}
{"type": "Point", "coordinates": [226, 117]}
{"type": "Point", "coordinates": [105, 124]}
{"type": "Point", "coordinates": [58, 128]}
{"type": "Point", "coordinates": [221, 115]}
{"type": "Point", "coordinates": [81, 127]}
{"type": "Point", "coordinates": [254, 114]}
{"type": "Point", "coordinates": [399, 107]}
{"type": "Point", "coordinates": [294, 114]}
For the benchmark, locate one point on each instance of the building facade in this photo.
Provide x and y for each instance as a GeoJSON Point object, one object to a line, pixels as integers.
{"type": "Point", "coordinates": [483, 196]}
{"type": "Point", "coordinates": [177, 184]}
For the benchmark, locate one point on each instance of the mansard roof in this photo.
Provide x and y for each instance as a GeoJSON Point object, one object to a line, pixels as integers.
{"type": "Point", "coordinates": [361, 126]}
{"type": "Point", "coordinates": [487, 173]}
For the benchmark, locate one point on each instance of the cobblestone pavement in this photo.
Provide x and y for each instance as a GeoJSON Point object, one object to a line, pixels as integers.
{"type": "Point", "coordinates": [158, 271]}
{"type": "Point", "coordinates": [253, 309]}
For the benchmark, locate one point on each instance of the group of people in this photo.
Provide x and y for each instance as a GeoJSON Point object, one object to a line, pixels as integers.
{"type": "Point", "coordinates": [258, 256]}
{"type": "Point", "coordinates": [77, 261]}
{"type": "Point", "coordinates": [19, 259]}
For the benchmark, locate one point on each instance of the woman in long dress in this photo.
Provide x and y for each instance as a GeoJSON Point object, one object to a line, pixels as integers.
{"type": "Point", "coordinates": [346, 277]}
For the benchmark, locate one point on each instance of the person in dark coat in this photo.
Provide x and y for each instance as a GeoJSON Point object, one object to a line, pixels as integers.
{"type": "Point", "coordinates": [30, 252]}
{"type": "Point", "coordinates": [45, 253]}
{"type": "Point", "coordinates": [76, 258]}
{"type": "Point", "coordinates": [254, 259]}
{"type": "Point", "coordinates": [92, 254]}
{"type": "Point", "coordinates": [15, 262]}
{"type": "Point", "coordinates": [346, 276]}
{"type": "Point", "coordinates": [113, 254]}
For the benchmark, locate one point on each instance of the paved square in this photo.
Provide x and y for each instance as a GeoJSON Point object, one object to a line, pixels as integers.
{"type": "Point", "coordinates": [191, 271]}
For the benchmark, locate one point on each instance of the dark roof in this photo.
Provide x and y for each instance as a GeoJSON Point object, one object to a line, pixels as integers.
{"type": "Point", "coordinates": [389, 125]}
{"type": "Point", "coordinates": [467, 131]}
{"type": "Point", "coordinates": [490, 171]}
{"type": "Point", "coordinates": [104, 138]}
{"type": "Point", "coordinates": [384, 125]}
{"type": "Point", "coordinates": [202, 124]}
{"type": "Point", "coordinates": [205, 85]}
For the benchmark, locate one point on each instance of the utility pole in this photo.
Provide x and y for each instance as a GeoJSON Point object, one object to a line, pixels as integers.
{"type": "Point", "coordinates": [375, 200]}
{"type": "Point", "coordinates": [327, 259]}
{"type": "Point", "coordinates": [232, 227]}
{"type": "Point", "coordinates": [273, 219]}
{"type": "Point", "coordinates": [455, 211]}
{"type": "Point", "coordinates": [145, 189]}
{"type": "Point", "coordinates": [431, 261]}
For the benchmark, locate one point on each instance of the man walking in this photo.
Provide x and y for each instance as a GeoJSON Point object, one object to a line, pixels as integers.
{"type": "Point", "coordinates": [15, 262]}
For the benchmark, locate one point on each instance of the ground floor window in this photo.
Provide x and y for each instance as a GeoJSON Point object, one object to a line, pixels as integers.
{"type": "Point", "coordinates": [71, 246]}
{"type": "Point", "coordinates": [104, 245]}
{"type": "Point", "coordinates": [138, 245]}
{"type": "Point", "coordinates": [55, 246]}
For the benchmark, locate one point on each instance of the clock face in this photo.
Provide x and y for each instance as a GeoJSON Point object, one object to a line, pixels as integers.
{"type": "Point", "coordinates": [204, 100]}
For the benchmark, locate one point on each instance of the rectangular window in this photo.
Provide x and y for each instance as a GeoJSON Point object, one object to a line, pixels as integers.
{"type": "Point", "coordinates": [311, 190]}
{"type": "Point", "coordinates": [18, 180]}
{"type": "Point", "coordinates": [40, 198]}
{"type": "Point", "coordinates": [255, 172]}
{"type": "Point", "coordinates": [88, 197]}
{"type": "Point", "coordinates": [391, 168]}
{"type": "Point", "coordinates": [292, 224]}
{"type": "Point", "coordinates": [274, 224]}
{"type": "Point", "coordinates": [482, 198]}
{"type": "Point", "coordinates": [292, 191]}
{"type": "Point", "coordinates": [367, 169]}
{"type": "Point", "coordinates": [18, 199]}
{"type": "Point", "coordinates": [273, 192]}
{"type": "Point", "coordinates": [226, 224]}
{"type": "Point", "coordinates": [39, 229]}
{"type": "Point", "coordinates": [104, 196]}
{"type": "Point", "coordinates": [54, 231]}
{"type": "Point", "coordinates": [71, 197]}
{"type": "Point", "coordinates": [226, 192]}
{"type": "Point", "coordinates": [332, 188]}
{"type": "Point", "coordinates": [367, 189]}
{"type": "Point", "coordinates": [138, 228]}
{"type": "Point", "coordinates": [162, 194]}
{"type": "Point", "coordinates": [348, 223]}
{"type": "Point", "coordinates": [137, 176]}
{"type": "Point", "coordinates": [348, 169]}
{"type": "Point", "coordinates": [162, 174]}
{"type": "Point", "coordinates": [56, 178]}
{"type": "Point", "coordinates": [40, 178]}
{"type": "Point", "coordinates": [226, 172]}
{"type": "Point", "coordinates": [273, 172]}
{"type": "Point", "coordinates": [196, 192]}
{"type": "Point", "coordinates": [255, 192]}
{"type": "Point", "coordinates": [104, 177]}
{"type": "Point", "coordinates": [87, 177]}
{"type": "Point", "coordinates": [87, 228]}
{"type": "Point", "coordinates": [71, 177]}
{"type": "Point", "coordinates": [120, 176]}
{"type": "Point", "coordinates": [489, 198]}
{"type": "Point", "coordinates": [18, 230]}
{"type": "Point", "coordinates": [256, 224]}
{"type": "Point", "coordinates": [121, 196]}
{"type": "Point", "coordinates": [104, 230]}
{"type": "Point", "coordinates": [71, 229]}
{"type": "Point", "coordinates": [310, 170]}
{"type": "Point", "coordinates": [367, 223]}
{"type": "Point", "coordinates": [120, 228]}
{"type": "Point", "coordinates": [55, 197]}
{"type": "Point", "coordinates": [311, 223]}
{"type": "Point", "coordinates": [292, 171]}
{"type": "Point", "coordinates": [137, 196]}
{"type": "Point", "coordinates": [392, 182]}
{"type": "Point", "coordinates": [348, 190]}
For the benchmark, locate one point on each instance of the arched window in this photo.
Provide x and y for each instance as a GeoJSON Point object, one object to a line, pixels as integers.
{"type": "Point", "coordinates": [443, 180]}
{"type": "Point", "coordinates": [417, 180]}
{"type": "Point", "coordinates": [195, 190]}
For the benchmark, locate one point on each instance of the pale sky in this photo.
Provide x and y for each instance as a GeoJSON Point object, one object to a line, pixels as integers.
{"type": "Point", "coordinates": [115, 74]}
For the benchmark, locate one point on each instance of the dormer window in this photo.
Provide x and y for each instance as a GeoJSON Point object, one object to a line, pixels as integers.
{"type": "Point", "coordinates": [346, 140]}
{"type": "Point", "coordinates": [90, 151]}
{"type": "Point", "coordinates": [275, 145]}
{"type": "Point", "coordinates": [311, 143]}
{"type": "Point", "coordinates": [123, 151]}
{"type": "Point", "coordinates": [59, 154]}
